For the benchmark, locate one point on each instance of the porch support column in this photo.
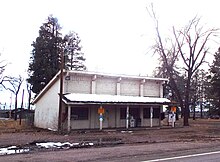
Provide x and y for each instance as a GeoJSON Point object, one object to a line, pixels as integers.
{"type": "Point", "coordinates": [142, 88]}
{"type": "Point", "coordinates": [69, 118]}
{"type": "Point", "coordinates": [151, 116]}
{"type": "Point", "coordinates": [161, 90]}
{"type": "Point", "coordinates": [118, 86]}
{"type": "Point", "coordinates": [127, 117]}
{"type": "Point", "coordinates": [142, 115]}
{"type": "Point", "coordinates": [93, 88]}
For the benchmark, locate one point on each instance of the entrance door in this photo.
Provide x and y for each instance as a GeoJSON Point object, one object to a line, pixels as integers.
{"type": "Point", "coordinates": [135, 113]}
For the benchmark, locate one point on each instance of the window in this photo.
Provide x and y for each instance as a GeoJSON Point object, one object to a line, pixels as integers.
{"type": "Point", "coordinates": [133, 111]}
{"type": "Point", "coordinates": [156, 112]}
{"type": "Point", "coordinates": [146, 112]}
{"type": "Point", "coordinates": [123, 113]}
{"type": "Point", "coordinates": [80, 113]}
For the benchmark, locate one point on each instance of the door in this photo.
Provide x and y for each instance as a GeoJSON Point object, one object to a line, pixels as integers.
{"type": "Point", "coordinates": [135, 114]}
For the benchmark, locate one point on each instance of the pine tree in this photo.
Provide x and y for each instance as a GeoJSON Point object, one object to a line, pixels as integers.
{"type": "Point", "coordinates": [74, 57]}
{"type": "Point", "coordinates": [44, 62]}
{"type": "Point", "coordinates": [215, 79]}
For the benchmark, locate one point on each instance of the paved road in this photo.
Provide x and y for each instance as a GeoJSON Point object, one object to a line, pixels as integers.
{"type": "Point", "coordinates": [207, 157]}
{"type": "Point", "coordinates": [122, 153]}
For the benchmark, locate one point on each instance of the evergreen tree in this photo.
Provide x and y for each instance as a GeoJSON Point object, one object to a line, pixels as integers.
{"type": "Point", "coordinates": [74, 57]}
{"type": "Point", "coordinates": [44, 62]}
{"type": "Point", "coordinates": [215, 80]}
{"type": "Point", "coordinates": [169, 91]}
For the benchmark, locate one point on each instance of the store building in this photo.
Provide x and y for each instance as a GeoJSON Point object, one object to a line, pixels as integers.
{"type": "Point", "coordinates": [93, 100]}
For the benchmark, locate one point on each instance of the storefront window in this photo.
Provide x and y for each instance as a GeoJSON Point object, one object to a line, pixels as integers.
{"type": "Point", "coordinates": [123, 113]}
{"type": "Point", "coordinates": [80, 113]}
{"type": "Point", "coordinates": [146, 112]}
{"type": "Point", "coordinates": [156, 112]}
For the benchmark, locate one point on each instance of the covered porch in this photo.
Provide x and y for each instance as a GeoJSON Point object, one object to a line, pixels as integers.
{"type": "Point", "coordinates": [83, 111]}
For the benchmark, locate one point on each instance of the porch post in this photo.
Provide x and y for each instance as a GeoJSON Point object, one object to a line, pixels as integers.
{"type": "Point", "coordinates": [69, 118]}
{"type": "Point", "coordinates": [142, 88]}
{"type": "Point", "coordinates": [127, 117]}
{"type": "Point", "coordinates": [151, 116]}
{"type": "Point", "coordinates": [118, 86]}
{"type": "Point", "coordinates": [93, 88]}
{"type": "Point", "coordinates": [141, 115]}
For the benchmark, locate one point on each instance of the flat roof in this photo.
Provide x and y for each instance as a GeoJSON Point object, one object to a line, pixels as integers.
{"type": "Point", "coordinates": [117, 75]}
{"type": "Point", "coordinates": [111, 99]}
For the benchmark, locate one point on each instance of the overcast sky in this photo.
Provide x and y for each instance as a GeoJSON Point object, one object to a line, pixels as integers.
{"type": "Point", "coordinates": [116, 34]}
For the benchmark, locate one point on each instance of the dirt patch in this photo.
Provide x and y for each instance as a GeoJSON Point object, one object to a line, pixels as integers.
{"type": "Point", "coordinates": [199, 130]}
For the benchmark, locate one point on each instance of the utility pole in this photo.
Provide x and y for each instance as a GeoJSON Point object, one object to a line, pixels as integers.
{"type": "Point", "coordinates": [61, 91]}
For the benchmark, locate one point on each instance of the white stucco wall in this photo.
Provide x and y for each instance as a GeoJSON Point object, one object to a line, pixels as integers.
{"type": "Point", "coordinates": [130, 87]}
{"type": "Point", "coordinates": [152, 88]}
{"type": "Point", "coordinates": [82, 83]}
{"type": "Point", "coordinates": [78, 84]}
{"type": "Point", "coordinates": [106, 86]}
{"type": "Point", "coordinates": [80, 124]}
{"type": "Point", "coordinates": [155, 122]}
{"type": "Point", "coordinates": [47, 108]}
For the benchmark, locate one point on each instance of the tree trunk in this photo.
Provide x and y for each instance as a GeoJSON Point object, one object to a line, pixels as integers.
{"type": "Point", "coordinates": [16, 107]}
{"type": "Point", "coordinates": [186, 112]}
{"type": "Point", "coordinates": [201, 109]}
{"type": "Point", "coordinates": [29, 101]}
{"type": "Point", "coordinates": [194, 112]}
{"type": "Point", "coordinates": [186, 106]}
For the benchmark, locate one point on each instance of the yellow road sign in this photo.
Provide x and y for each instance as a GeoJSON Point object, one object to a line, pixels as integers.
{"type": "Point", "coordinates": [173, 109]}
{"type": "Point", "coordinates": [101, 110]}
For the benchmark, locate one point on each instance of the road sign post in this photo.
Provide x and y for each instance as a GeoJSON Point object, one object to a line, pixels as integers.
{"type": "Point", "coordinates": [101, 111]}
{"type": "Point", "coordinates": [173, 110]}
{"type": "Point", "coordinates": [100, 121]}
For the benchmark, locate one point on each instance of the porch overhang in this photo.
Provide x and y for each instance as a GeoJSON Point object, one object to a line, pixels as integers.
{"type": "Point", "coordinates": [78, 98]}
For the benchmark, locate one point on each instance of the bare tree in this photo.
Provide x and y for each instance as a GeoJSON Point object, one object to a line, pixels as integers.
{"type": "Point", "coordinates": [189, 44]}
{"type": "Point", "coordinates": [14, 87]}
{"type": "Point", "coordinates": [169, 54]}
{"type": "Point", "coordinates": [192, 40]}
{"type": "Point", "coordinates": [3, 65]}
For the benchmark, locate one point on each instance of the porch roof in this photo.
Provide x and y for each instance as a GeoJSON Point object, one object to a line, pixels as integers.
{"type": "Point", "coordinates": [112, 99]}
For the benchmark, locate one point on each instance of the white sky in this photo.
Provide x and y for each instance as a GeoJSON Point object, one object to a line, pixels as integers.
{"type": "Point", "coordinates": [115, 34]}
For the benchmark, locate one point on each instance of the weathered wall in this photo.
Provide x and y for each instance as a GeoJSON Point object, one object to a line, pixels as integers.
{"type": "Point", "coordinates": [130, 87]}
{"type": "Point", "coordinates": [152, 88]}
{"type": "Point", "coordinates": [78, 84]}
{"type": "Point", "coordinates": [99, 84]}
{"type": "Point", "coordinates": [47, 108]}
{"type": "Point", "coordinates": [105, 86]}
{"type": "Point", "coordinates": [155, 122]}
{"type": "Point", "coordinates": [80, 124]}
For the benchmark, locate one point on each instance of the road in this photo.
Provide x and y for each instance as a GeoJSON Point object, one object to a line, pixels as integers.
{"type": "Point", "coordinates": [128, 153]}
{"type": "Point", "coordinates": [207, 157]}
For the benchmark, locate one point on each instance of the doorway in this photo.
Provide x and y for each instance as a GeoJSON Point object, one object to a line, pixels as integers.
{"type": "Point", "coordinates": [135, 114]}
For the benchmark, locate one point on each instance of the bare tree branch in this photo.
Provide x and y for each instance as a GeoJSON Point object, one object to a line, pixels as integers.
{"type": "Point", "coordinates": [190, 45]}
{"type": "Point", "coordinates": [180, 48]}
